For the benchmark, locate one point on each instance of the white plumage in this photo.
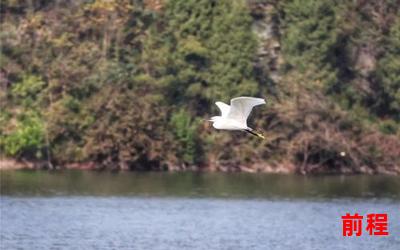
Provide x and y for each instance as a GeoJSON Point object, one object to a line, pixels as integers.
{"type": "Point", "coordinates": [234, 116]}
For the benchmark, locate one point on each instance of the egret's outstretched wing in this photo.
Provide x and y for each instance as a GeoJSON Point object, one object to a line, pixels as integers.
{"type": "Point", "coordinates": [241, 107]}
{"type": "Point", "coordinates": [224, 108]}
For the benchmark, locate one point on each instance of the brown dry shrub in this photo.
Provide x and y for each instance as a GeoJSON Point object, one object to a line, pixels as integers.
{"type": "Point", "coordinates": [318, 136]}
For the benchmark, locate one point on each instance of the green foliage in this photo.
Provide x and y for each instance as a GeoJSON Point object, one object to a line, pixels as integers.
{"type": "Point", "coordinates": [388, 75]}
{"type": "Point", "coordinates": [22, 133]}
{"type": "Point", "coordinates": [26, 92]}
{"type": "Point", "coordinates": [233, 45]}
{"type": "Point", "coordinates": [310, 30]}
{"type": "Point", "coordinates": [389, 127]}
{"type": "Point", "coordinates": [26, 138]}
{"type": "Point", "coordinates": [310, 36]}
{"type": "Point", "coordinates": [186, 133]}
{"type": "Point", "coordinates": [211, 50]}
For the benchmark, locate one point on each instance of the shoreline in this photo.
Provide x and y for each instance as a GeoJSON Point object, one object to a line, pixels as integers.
{"type": "Point", "coordinates": [284, 168]}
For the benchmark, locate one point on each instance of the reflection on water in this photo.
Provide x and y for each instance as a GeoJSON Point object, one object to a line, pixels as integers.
{"type": "Point", "coordinates": [188, 184]}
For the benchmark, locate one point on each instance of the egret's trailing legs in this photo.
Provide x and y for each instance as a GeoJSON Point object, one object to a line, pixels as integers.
{"type": "Point", "coordinates": [254, 133]}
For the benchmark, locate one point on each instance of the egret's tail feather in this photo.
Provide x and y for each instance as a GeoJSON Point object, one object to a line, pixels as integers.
{"type": "Point", "coordinates": [255, 133]}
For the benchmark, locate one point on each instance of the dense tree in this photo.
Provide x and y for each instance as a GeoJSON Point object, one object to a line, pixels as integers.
{"type": "Point", "coordinates": [210, 50]}
{"type": "Point", "coordinates": [388, 75]}
{"type": "Point", "coordinates": [126, 83]}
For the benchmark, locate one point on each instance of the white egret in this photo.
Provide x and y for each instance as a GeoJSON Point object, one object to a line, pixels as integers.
{"type": "Point", "coordinates": [234, 117]}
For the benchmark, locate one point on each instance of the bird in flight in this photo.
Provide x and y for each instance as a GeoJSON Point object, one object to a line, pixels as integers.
{"type": "Point", "coordinates": [234, 116]}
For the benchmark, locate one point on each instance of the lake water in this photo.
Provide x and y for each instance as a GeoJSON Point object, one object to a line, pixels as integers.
{"type": "Point", "coordinates": [92, 210]}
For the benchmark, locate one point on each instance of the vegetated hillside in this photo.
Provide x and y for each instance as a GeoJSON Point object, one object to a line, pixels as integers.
{"type": "Point", "coordinates": [126, 84]}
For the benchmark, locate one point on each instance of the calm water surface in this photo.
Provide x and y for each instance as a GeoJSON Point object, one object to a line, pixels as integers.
{"type": "Point", "coordinates": [91, 210]}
